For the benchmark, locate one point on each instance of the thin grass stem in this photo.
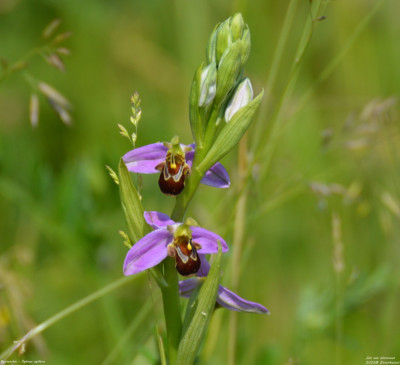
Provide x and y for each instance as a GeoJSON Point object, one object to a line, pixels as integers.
{"type": "Point", "coordinates": [331, 66]}
{"type": "Point", "coordinates": [64, 313]}
{"type": "Point", "coordinates": [131, 329]}
{"type": "Point", "coordinates": [265, 151]}
{"type": "Point", "coordinates": [273, 73]}
{"type": "Point", "coordinates": [238, 238]}
{"type": "Point", "coordinates": [276, 127]}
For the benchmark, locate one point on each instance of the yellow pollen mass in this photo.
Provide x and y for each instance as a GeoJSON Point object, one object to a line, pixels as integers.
{"type": "Point", "coordinates": [189, 246]}
{"type": "Point", "coordinates": [173, 164]}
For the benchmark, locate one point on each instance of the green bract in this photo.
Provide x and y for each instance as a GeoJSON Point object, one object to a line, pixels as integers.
{"type": "Point", "coordinates": [208, 84]}
{"type": "Point", "coordinates": [229, 70]}
{"type": "Point", "coordinates": [237, 26]}
{"type": "Point", "coordinates": [240, 98]}
{"type": "Point", "coordinates": [131, 205]}
{"type": "Point", "coordinates": [134, 214]}
{"type": "Point", "coordinates": [199, 315]}
{"type": "Point", "coordinates": [196, 122]}
{"type": "Point", "coordinates": [223, 40]}
{"type": "Point", "coordinates": [231, 133]}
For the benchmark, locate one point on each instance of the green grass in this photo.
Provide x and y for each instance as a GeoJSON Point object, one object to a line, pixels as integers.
{"type": "Point", "coordinates": [60, 212]}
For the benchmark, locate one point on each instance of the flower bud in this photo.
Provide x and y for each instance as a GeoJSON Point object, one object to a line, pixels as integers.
{"type": "Point", "coordinates": [246, 45]}
{"type": "Point", "coordinates": [229, 69]}
{"type": "Point", "coordinates": [237, 26]}
{"type": "Point", "coordinates": [224, 35]}
{"type": "Point", "coordinates": [229, 48]}
{"type": "Point", "coordinates": [208, 84]}
{"type": "Point", "coordinates": [242, 96]}
{"type": "Point", "coordinates": [223, 40]}
{"type": "Point", "coordinates": [210, 51]}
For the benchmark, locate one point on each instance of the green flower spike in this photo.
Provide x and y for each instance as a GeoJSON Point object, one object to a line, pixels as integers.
{"type": "Point", "coordinates": [215, 80]}
{"type": "Point", "coordinates": [229, 47]}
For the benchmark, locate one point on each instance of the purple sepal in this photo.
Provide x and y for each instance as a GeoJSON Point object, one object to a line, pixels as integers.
{"type": "Point", "coordinates": [157, 220]}
{"type": "Point", "coordinates": [225, 297]}
{"type": "Point", "coordinates": [186, 287]}
{"type": "Point", "coordinates": [147, 252]}
{"type": "Point", "coordinates": [204, 266]}
{"type": "Point", "coordinates": [216, 176]}
{"type": "Point", "coordinates": [232, 301]}
{"type": "Point", "coordinates": [207, 240]}
{"type": "Point", "coordinates": [145, 159]}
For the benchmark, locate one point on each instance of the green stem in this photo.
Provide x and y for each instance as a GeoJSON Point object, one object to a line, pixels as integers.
{"type": "Point", "coordinates": [265, 151]}
{"type": "Point", "coordinates": [170, 293]}
{"type": "Point", "coordinates": [64, 313]}
{"type": "Point", "coordinates": [21, 63]}
{"type": "Point", "coordinates": [238, 239]}
{"type": "Point", "coordinates": [212, 126]}
{"type": "Point", "coordinates": [273, 73]}
{"type": "Point", "coordinates": [136, 323]}
{"type": "Point", "coordinates": [172, 312]}
{"type": "Point", "coordinates": [335, 62]}
{"type": "Point", "coordinates": [184, 199]}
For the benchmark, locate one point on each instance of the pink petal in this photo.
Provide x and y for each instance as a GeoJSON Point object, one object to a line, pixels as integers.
{"type": "Point", "coordinates": [145, 159]}
{"type": "Point", "coordinates": [207, 240]}
{"type": "Point", "coordinates": [232, 301]}
{"type": "Point", "coordinates": [157, 220]}
{"type": "Point", "coordinates": [147, 252]}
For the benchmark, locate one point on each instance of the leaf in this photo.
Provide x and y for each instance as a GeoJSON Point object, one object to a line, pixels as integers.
{"type": "Point", "coordinates": [161, 349]}
{"type": "Point", "coordinates": [231, 134]}
{"type": "Point", "coordinates": [196, 123]}
{"type": "Point", "coordinates": [210, 50]}
{"type": "Point", "coordinates": [203, 308]}
{"type": "Point", "coordinates": [190, 309]}
{"type": "Point", "coordinates": [134, 214]}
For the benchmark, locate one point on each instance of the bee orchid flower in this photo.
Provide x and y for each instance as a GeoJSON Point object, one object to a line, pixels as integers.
{"type": "Point", "coordinates": [225, 297]}
{"type": "Point", "coordinates": [174, 160]}
{"type": "Point", "coordinates": [179, 240]}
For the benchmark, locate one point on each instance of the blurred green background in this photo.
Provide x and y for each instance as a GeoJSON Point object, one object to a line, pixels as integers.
{"type": "Point", "coordinates": [320, 246]}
